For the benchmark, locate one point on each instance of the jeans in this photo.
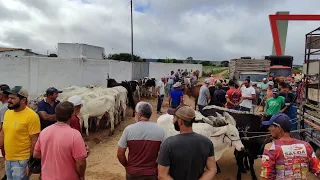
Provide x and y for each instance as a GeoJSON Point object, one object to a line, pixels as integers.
{"type": "Point", "coordinates": [245, 109]}
{"type": "Point", "coordinates": [160, 101]}
{"type": "Point", "coordinates": [169, 88]}
{"type": "Point", "coordinates": [236, 108]}
{"type": "Point", "coordinates": [15, 170]}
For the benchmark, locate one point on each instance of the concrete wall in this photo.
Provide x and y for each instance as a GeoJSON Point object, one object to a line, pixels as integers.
{"type": "Point", "coordinates": [39, 73]}
{"type": "Point", "coordinates": [157, 70]}
{"type": "Point", "coordinates": [140, 70]}
{"type": "Point", "coordinates": [75, 50]}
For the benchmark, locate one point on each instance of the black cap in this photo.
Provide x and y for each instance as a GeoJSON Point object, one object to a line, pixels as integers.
{"type": "Point", "coordinates": [275, 91]}
{"type": "Point", "coordinates": [51, 90]}
{"type": "Point", "coordinates": [4, 88]}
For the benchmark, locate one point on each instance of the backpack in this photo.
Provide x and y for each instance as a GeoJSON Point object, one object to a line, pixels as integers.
{"type": "Point", "coordinates": [235, 96]}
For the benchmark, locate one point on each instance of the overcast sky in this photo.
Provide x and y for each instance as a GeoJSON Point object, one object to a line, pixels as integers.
{"type": "Point", "coordinates": [203, 29]}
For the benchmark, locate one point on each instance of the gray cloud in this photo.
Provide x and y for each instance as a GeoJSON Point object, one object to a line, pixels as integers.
{"type": "Point", "coordinates": [203, 29]}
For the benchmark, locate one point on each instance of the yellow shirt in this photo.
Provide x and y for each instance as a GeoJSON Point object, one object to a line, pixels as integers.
{"type": "Point", "coordinates": [17, 128]}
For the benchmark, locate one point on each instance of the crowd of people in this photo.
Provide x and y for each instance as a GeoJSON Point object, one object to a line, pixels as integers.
{"type": "Point", "coordinates": [52, 135]}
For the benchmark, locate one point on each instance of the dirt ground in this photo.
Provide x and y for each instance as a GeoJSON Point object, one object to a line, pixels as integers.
{"type": "Point", "coordinates": [103, 163]}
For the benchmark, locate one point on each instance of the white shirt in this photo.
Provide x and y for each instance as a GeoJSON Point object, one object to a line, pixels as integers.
{"type": "Point", "coordinates": [170, 79]}
{"type": "Point", "coordinates": [247, 92]}
{"type": "Point", "coordinates": [3, 109]}
{"type": "Point", "coordinates": [161, 86]}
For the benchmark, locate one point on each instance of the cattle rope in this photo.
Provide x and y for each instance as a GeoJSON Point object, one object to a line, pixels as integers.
{"type": "Point", "coordinates": [300, 130]}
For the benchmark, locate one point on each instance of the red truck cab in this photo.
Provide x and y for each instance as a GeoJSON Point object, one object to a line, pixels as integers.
{"type": "Point", "coordinates": [280, 67]}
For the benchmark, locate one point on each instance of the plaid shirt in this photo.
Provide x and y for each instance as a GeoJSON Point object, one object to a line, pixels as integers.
{"type": "Point", "coordinates": [289, 160]}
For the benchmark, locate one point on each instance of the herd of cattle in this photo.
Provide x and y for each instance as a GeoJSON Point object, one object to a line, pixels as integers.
{"type": "Point", "coordinates": [222, 126]}
{"type": "Point", "coordinates": [110, 101]}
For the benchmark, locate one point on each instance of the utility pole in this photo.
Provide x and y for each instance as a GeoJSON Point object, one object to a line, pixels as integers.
{"type": "Point", "coordinates": [131, 33]}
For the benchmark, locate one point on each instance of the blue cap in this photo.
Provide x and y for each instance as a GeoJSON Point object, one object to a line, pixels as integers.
{"type": "Point", "coordinates": [281, 120]}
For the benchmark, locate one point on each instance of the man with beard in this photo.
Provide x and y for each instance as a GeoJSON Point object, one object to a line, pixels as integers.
{"type": "Point", "coordinates": [187, 155]}
{"type": "Point", "coordinates": [21, 127]}
{"type": "Point", "coordinates": [143, 139]}
{"type": "Point", "coordinates": [46, 107]}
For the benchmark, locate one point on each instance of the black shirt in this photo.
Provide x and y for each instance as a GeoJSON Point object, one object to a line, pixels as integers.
{"type": "Point", "coordinates": [186, 154]}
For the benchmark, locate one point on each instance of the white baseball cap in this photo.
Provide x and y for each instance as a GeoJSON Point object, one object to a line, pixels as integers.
{"type": "Point", "coordinates": [264, 79]}
{"type": "Point", "coordinates": [270, 83]}
{"type": "Point", "coordinates": [207, 81]}
{"type": "Point", "coordinates": [76, 100]}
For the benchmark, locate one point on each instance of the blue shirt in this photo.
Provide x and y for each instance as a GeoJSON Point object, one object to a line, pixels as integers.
{"type": "Point", "coordinates": [43, 106]}
{"type": "Point", "coordinates": [175, 95]}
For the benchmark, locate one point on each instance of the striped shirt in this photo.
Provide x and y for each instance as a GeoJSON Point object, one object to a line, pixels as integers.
{"type": "Point", "coordinates": [143, 140]}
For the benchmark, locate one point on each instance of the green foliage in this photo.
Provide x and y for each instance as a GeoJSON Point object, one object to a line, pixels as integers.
{"type": "Point", "coordinates": [296, 70]}
{"type": "Point", "coordinates": [224, 63]}
{"type": "Point", "coordinates": [167, 60]}
{"type": "Point", "coordinates": [206, 63]}
{"type": "Point", "coordinates": [125, 57]}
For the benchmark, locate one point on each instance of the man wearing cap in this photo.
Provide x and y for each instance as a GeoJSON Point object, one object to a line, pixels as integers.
{"type": "Point", "coordinates": [21, 127]}
{"type": "Point", "coordinates": [176, 96]}
{"type": "Point", "coordinates": [286, 157]}
{"type": "Point", "coordinates": [3, 109]}
{"type": "Point", "coordinates": [274, 104]}
{"type": "Point", "coordinates": [61, 148]}
{"type": "Point", "coordinates": [170, 81]}
{"type": "Point", "coordinates": [143, 139]}
{"type": "Point", "coordinates": [204, 95]}
{"type": "Point", "coordinates": [46, 107]}
{"type": "Point", "coordinates": [264, 87]}
{"type": "Point", "coordinates": [187, 155]}
{"type": "Point", "coordinates": [75, 121]}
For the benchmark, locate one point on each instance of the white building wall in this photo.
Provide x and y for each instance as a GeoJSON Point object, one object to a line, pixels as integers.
{"type": "Point", "coordinates": [38, 73]}
{"type": "Point", "coordinates": [75, 50]}
{"type": "Point", "coordinates": [15, 53]}
{"type": "Point", "coordinates": [158, 70]}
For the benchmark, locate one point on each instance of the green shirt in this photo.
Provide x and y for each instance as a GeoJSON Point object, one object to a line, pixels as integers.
{"type": "Point", "coordinates": [274, 105]}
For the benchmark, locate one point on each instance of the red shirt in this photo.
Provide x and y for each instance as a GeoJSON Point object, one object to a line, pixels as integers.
{"type": "Point", "coordinates": [234, 95]}
{"type": "Point", "coordinates": [75, 123]}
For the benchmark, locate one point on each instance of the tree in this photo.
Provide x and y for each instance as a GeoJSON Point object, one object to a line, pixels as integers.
{"type": "Point", "coordinates": [224, 63]}
{"type": "Point", "coordinates": [206, 63]}
{"type": "Point", "coordinates": [125, 57]}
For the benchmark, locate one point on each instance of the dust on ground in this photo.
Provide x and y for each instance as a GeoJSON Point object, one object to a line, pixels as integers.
{"type": "Point", "coordinates": [102, 162]}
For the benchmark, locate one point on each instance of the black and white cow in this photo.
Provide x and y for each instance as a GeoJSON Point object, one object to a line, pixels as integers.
{"type": "Point", "coordinates": [147, 86]}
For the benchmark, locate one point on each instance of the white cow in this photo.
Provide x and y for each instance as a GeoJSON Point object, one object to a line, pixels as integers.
{"type": "Point", "coordinates": [222, 137]}
{"type": "Point", "coordinates": [98, 107]}
{"type": "Point", "coordinates": [123, 99]}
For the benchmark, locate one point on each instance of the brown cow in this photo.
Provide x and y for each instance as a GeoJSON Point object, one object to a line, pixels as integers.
{"type": "Point", "coordinates": [194, 91]}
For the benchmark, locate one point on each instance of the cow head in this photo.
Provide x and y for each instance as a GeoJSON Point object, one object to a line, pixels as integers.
{"type": "Point", "coordinates": [228, 133]}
